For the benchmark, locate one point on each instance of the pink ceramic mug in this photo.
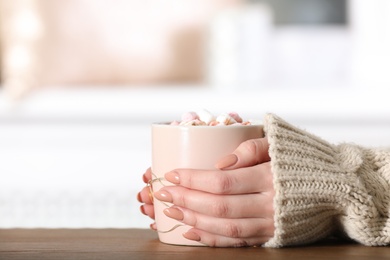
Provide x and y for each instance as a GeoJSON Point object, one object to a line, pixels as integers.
{"type": "Point", "coordinates": [197, 147]}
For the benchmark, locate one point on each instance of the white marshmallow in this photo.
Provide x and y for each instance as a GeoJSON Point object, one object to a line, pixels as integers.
{"type": "Point", "coordinates": [205, 116]}
{"type": "Point", "coordinates": [225, 119]}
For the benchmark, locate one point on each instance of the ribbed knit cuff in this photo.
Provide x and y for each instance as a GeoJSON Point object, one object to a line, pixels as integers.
{"type": "Point", "coordinates": [306, 180]}
{"type": "Point", "coordinates": [320, 187]}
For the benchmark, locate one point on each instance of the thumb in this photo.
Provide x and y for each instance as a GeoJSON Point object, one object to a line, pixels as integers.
{"type": "Point", "coordinates": [248, 153]}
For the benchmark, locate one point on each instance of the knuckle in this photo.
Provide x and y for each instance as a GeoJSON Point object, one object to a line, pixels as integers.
{"type": "Point", "coordinates": [220, 209]}
{"type": "Point", "coordinates": [232, 230]}
{"type": "Point", "coordinates": [186, 178]}
{"type": "Point", "coordinates": [223, 184]}
{"type": "Point", "coordinates": [250, 146]}
{"type": "Point", "coordinates": [240, 243]}
{"type": "Point", "coordinates": [213, 243]}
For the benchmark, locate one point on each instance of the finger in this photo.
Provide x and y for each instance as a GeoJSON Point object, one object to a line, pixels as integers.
{"type": "Point", "coordinates": [248, 153]}
{"type": "Point", "coordinates": [147, 210]}
{"type": "Point", "coordinates": [145, 195]}
{"type": "Point", "coordinates": [147, 176]}
{"type": "Point", "coordinates": [221, 206]}
{"type": "Point", "coordinates": [253, 179]}
{"type": "Point", "coordinates": [153, 226]}
{"type": "Point", "coordinates": [213, 240]}
{"type": "Point", "coordinates": [235, 228]}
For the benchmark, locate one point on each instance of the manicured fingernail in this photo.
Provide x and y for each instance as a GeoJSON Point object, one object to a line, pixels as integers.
{"type": "Point", "coordinates": [139, 197]}
{"type": "Point", "coordinates": [227, 161]}
{"type": "Point", "coordinates": [153, 226]}
{"type": "Point", "coordinates": [144, 178]}
{"type": "Point", "coordinates": [172, 177]}
{"type": "Point", "coordinates": [174, 212]}
{"type": "Point", "coordinates": [191, 236]}
{"type": "Point", "coordinates": [142, 209]}
{"type": "Point", "coordinates": [163, 196]}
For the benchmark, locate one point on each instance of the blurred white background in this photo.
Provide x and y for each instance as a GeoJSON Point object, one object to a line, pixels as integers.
{"type": "Point", "coordinates": [83, 80]}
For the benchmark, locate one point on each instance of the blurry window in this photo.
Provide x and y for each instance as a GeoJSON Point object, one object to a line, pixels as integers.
{"type": "Point", "coordinates": [309, 12]}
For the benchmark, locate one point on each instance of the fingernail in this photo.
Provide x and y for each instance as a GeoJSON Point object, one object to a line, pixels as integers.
{"type": "Point", "coordinates": [227, 161]}
{"type": "Point", "coordinates": [172, 177]}
{"type": "Point", "coordinates": [174, 212]}
{"type": "Point", "coordinates": [139, 197]}
{"type": "Point", "coordinates": [142, 209]}
{"type": "Point", "coordinates": [144, 178]}
{"type": "Point", "coordinates": [191, 236]}
{"type": "Point", "coordinates": [163, 196]}
{"type": "Point", "coordinates": [153, 226]}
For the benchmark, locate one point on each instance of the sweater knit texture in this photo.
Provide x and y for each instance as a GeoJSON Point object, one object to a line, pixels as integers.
{"type": "Point", "coordinates": [323, 188]}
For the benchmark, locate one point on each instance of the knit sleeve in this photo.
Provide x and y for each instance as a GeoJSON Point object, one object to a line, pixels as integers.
{"type": "Point", "coordinates": [322, 188]}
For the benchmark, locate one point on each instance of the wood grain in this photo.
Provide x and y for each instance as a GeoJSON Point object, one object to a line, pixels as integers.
{"type": "Point", "coordinates": [141, 244]}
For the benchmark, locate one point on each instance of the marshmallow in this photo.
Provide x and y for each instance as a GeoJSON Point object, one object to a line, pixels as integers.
{"type": "Point", "coordinates": [236, 117]}
{"type": "Point", "coordinates": [175, 123]}
{"type": "Point", "coordinates": [225, 119]}
{"type": "Point", "coordinates": [206, 116]}
{"type": "Point", "coordinates": [193, 122]}
{"type": "Point", "coordinates": [189, 116]}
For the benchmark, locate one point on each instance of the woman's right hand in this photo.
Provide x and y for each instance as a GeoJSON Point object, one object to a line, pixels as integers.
{"type": "Point", "coordinates": [144, 196]}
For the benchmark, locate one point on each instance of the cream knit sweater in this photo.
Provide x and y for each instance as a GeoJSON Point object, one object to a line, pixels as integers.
{"type": "Point", "coordinates": [322, 188]}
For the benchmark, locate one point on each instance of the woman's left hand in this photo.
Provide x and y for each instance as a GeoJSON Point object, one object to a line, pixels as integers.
{"type": "Point", "coordinates": [228, 207]}
{"type": "Point", "coordinates": [145, 197]}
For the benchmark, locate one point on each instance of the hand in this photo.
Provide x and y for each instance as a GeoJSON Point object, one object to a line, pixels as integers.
{"type": "Point", "coordinates": [144, 196]}
{"type": "Point", "coordinates": [228, 207]}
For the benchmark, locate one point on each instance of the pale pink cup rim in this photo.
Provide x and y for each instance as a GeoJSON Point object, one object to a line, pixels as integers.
{"type": "Point", "coordinates": [168, 124]}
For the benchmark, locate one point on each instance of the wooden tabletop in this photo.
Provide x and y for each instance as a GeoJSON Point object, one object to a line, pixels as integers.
{"type": "Point", "coordinates": [141, 244]}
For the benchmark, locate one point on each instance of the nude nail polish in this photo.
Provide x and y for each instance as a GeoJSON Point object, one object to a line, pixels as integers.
{"type": "Point", "coordinates": [139, 198]}
{"type": "Point", "coordinates": [144, 178]}
{"type": "Point", "coordinates": [163, 195]}
{"type": "Point", "coordinates": [173, 177]}
{"type": "Point", "coordinates": [153, 226]}
{"type": "Point", "coordinates": [142, 209]}
{"type": "Point", "coordinates": [191, 236]}
{"type": "Point", "coordinates": [174, 212]}
{"type": "Point", "coordinates": [227, 161]}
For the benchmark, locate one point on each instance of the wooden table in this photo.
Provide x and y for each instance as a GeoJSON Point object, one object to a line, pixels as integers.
{"type": "Point", "coordinates": [141, 244]}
